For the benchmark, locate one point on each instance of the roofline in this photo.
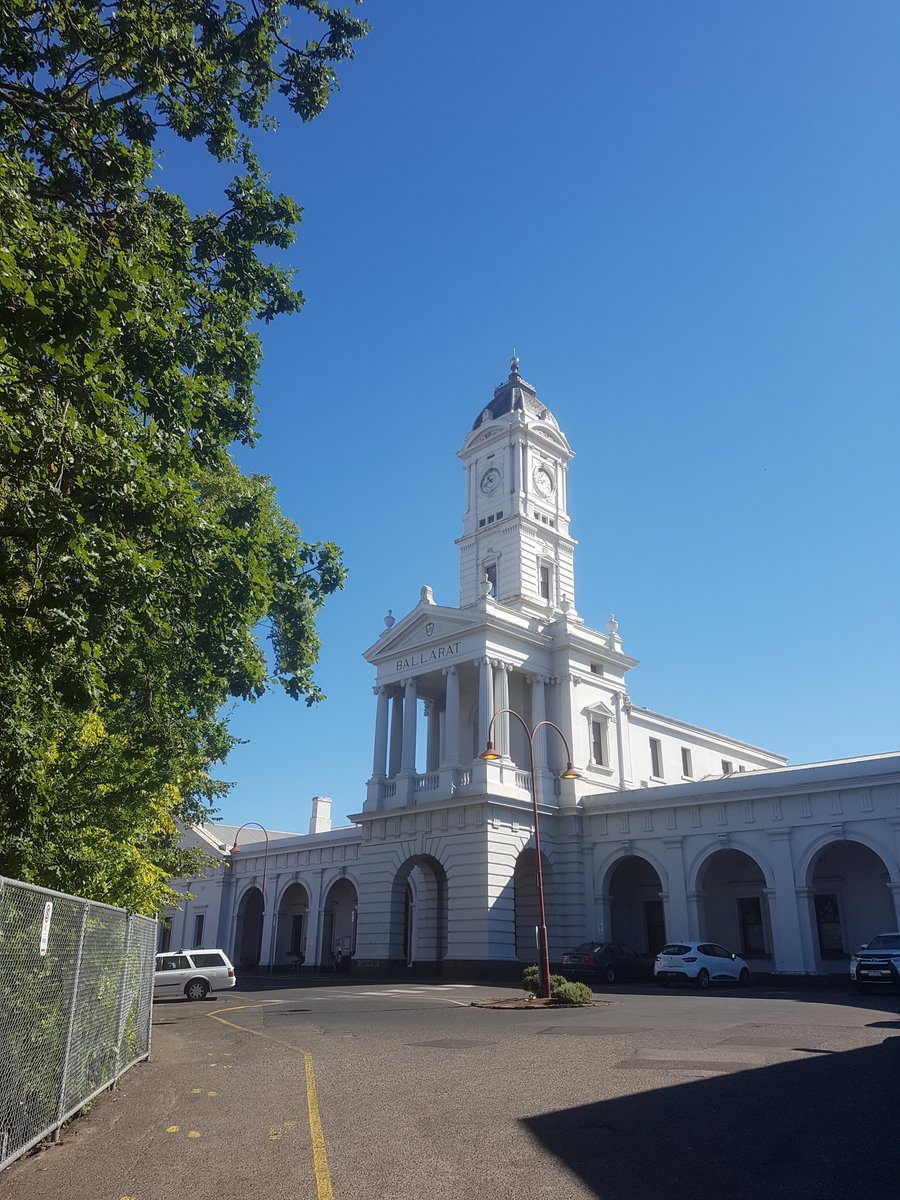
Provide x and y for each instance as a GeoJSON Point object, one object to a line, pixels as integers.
{"type": "Point", "coordinates": [803, 777]}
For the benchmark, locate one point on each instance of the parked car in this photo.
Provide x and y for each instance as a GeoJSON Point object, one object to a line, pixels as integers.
{"type": "Point", "coordinates": [192, 973]}
{"type": "Point", "coordinates": [607, 961]}
{"type": "Point", "coordinates": [701, 962]}
{"type": "Point", "coordinates": [877, 963]}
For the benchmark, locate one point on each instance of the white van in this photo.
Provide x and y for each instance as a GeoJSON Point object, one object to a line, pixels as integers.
{"type": "Point", "coordinates": [192, 973]}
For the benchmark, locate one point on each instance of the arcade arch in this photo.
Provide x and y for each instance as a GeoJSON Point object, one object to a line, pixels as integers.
{"type": "Point", "coordinates": [248, 930]}
{"type": "Point", "coordinates": [339, 927]}
{"type": "Point", "coordinates": [418, 915]}
{"type": "Point", "coordinates": [637, 916]}
{"type": "Point", "coordinates": [735, 907]}
{"type": "Point", "coordinates": [850, 901]}
{"type": "Point", "coordinates": [292, 925]}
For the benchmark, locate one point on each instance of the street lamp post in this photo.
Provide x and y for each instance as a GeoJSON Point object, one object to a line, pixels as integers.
{"type": "Point", "coordinates": [490, 755]}
{"type": "Point", "coordinates": [234, 849]}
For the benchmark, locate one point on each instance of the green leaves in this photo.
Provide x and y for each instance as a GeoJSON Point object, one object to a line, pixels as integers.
{"type": "Point", "coordinates": [136, 562]}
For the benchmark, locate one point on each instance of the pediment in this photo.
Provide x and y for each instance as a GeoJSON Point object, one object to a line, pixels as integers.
{"type": "Point", "coordinates": [427, 625]}
{"type": "Point", "coordinates": [599, 709]}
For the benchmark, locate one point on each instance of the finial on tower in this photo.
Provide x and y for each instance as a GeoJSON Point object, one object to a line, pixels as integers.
{"type": "Point", "coordinates": [514, 364]}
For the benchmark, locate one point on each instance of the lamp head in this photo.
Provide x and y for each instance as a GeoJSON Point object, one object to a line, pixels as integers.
{"type": "Point", "coordinates": [490, 754]}
{"type": "Point", "coordinates": [570, 772]}
{"type": "Point", "coordinates": [235, 848]}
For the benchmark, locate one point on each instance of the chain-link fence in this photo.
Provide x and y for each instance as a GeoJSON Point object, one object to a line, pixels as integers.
{"type": "Point", "coordinates": [76, 990]}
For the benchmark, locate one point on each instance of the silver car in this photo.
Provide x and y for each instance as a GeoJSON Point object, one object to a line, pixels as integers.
{"type": "Point", "coordinates": [877, 963]}
{"type": "Point", "coordinates": [192, 973]}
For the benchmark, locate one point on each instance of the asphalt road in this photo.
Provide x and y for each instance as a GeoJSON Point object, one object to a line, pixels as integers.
{"type": "Point", "coordinates": [406, 1091]}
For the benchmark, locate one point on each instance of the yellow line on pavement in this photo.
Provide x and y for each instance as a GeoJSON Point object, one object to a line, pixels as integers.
{"type": "Point", "coordinates": [320, 1159]}
{"type": "Point", "coordinates": [316, 1133]}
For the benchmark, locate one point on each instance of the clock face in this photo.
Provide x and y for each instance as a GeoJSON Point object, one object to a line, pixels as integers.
{"type": "Point", "coordinates": [543, 481]}
{"type": "Point", "coordinates": [490, 481]}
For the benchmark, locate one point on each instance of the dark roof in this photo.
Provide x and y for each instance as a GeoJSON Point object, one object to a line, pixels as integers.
{"type": "Point", "coordinates": [512, 396]}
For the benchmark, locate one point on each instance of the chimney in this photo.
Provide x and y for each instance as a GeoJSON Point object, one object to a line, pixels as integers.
{"type": "Point", "coordinates": [320, 821]}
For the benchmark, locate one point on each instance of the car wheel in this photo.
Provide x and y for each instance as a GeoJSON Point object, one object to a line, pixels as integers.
{"type": "Point", "coordinates": [197, 989]}
{"type": "Point", "coordinates": [610, 974]}
{"type": "Point", "coordinates": [703, 978]}
{"type": "Point", "coordinates": [744, 977]}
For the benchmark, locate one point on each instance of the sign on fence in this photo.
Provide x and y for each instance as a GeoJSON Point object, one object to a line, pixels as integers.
{"type": "Point", "coordinates": [45, 928]}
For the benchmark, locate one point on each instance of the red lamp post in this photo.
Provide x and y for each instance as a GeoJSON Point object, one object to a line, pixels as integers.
{"type": "Point", "coordinates": [490, 755]}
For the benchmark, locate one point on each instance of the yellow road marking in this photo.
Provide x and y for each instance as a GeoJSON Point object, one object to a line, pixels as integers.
{"type": "Point", "coordinates": [317, 1135]}
{"type": "Point", "coordinates": [193, 1133]}
{"type": "Point", "coordinates": [212, 1093]}
{"type": "Point", "coordinates": [173, 1129]}
{"type": "Point", "coordinates": [196, 1091]}
{"type": "Point", "coordinates": [320, 1159]}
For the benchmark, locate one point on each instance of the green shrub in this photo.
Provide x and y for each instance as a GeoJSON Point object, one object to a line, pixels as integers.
{"type": "Point", "coordinates": [560, 987]}
{"type": "Point", "coordinates": [572, 993]}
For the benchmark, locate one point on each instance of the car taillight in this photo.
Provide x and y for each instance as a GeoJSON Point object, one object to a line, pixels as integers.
{"type": "Point", "coordinates": [231, 973]}
{"type": "Point", "coordinates": [588, 958]}
{"type": "Point", "coordinates": [691, 958]}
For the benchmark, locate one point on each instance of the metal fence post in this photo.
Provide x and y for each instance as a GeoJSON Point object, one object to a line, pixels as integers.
{"type": "Point", "coordinates": [123, 991]}
{"type": "Point", "coordinates": [67, 1048]}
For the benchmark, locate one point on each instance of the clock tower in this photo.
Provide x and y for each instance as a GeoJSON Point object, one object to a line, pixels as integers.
{"type": "Point", "coordinates": [516, 546]}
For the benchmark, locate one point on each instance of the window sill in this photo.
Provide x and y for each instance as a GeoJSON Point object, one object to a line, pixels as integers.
{"type": "Point", "coordinates": [599, 768]}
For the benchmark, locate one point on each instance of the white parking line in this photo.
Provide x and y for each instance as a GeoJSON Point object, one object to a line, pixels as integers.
{"type": "Point", "coordinates": [425, 991]}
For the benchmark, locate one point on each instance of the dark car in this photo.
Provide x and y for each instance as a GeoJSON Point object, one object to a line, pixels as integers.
{"type": "Point", "coordinates": [607, 961]}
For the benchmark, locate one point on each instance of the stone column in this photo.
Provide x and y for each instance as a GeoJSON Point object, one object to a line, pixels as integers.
{"type": "Point", "coordinates": [538, 714]}
{"type": "Point", "coordinates": [396, 733]}
{"type": "Point", "coordinates": [379, 760]}
{"type": "Point", "coordinates": [895, 896]}
{"type": "Point", "coordinates": [501, 695]}
{"type": "Point", "coordinates": [410, 700]}
{"type": "Point", "coordinates": [676, 907]}
{"type": "Point", "coordinates": [568, 796]}
{"type": "Point", "coordinates": [433, 741]}
{"type": "Point", "coordinates": [451, 719]}
{"type": "Point", "coordinates": [622, 705]}
{"type": "Point", "coordinates": [789, 956]}
{"type": "Point", "coordinates": [485, 700]}
{"type": "Point", "coordinates": [809, 930]}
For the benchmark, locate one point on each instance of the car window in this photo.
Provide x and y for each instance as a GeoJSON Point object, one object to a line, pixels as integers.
{"type": "Point", "coordinates": [721, 952]}
{"type": "Point", "coordinates": [585, 948]}
{"type": "Point", "coordinates": [708, 949]}
{"type": "Point", "coordinates": [174, 962]}
{"type": "Point", "coordinates": [885, 941]}
{"type": "Point", "coordinates": [626, 951]}
{"type": "Point", "coordinates": [675, 948]}
{"type": "Point", "coordinates": [208, 959]}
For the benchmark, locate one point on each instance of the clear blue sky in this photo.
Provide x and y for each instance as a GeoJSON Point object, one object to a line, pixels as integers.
{"type": "Point", "coordinates": [684, 218]}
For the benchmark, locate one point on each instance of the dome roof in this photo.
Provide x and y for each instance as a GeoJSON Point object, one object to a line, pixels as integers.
{"type": "Point", "coordinates": [515, 395]}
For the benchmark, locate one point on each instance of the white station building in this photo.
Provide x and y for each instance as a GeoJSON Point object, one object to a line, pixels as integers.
{"type": "Point", "coordinates": [669, 832]}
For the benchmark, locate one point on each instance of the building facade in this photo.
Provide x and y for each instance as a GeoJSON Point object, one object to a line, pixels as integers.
{"type": "Point", "coordinates": [669, 831]}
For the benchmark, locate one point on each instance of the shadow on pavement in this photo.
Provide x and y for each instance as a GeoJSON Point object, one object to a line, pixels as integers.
{"type": "Point", "coordinates": [825, 1128]}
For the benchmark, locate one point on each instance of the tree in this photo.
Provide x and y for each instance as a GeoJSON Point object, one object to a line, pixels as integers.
{"type": "Point", "coordinates": [137, 562]}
